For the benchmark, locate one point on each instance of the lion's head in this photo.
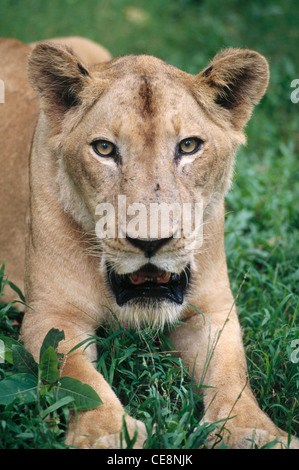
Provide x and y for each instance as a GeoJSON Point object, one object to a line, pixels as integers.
{"type": "Point", "coordinates": [144, 156]}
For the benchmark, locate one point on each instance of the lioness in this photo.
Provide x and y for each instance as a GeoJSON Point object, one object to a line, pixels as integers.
{"type": "Point", "coordinates": [139, 128]}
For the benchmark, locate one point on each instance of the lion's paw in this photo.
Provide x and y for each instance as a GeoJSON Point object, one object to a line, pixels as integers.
{"type": "Point", "coordinates": [83, 438]}
{"type": "Point", "coordinates": [118, 441]}
{"type": "Point", "coordinates": [249, 438]}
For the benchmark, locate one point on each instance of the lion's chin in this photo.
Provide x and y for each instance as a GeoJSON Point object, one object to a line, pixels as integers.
{"type": "Point", "coordinates": [149, 283]}
{"type": "Point", "coordinates": [149, 314]}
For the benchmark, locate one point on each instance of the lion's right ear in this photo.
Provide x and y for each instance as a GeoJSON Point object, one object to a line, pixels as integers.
{"type": "Point", "coordinates": [57, 75]}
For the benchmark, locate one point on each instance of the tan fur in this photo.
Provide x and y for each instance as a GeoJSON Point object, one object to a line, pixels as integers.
{"type": "Point", "coordinates": [88, 51]}
{"type": "Point", "coordinates": [145, 107]}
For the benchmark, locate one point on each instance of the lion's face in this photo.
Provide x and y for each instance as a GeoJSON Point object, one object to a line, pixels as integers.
{"type": "Point", "coordinates": [144, 158]}
{"type": "Point", "coordinates": [146, 143]}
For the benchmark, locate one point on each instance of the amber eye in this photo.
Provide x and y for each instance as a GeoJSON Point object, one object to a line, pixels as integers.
{"type": "Point", "coordinates": [104, 148]}
{"type": "Point", "coordinates": [190, 145]}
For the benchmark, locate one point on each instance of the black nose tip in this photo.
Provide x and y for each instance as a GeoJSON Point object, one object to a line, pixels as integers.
{"type": "Point", "coordinates": [150, 247]}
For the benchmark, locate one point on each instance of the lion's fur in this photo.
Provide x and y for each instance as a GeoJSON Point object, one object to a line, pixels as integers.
{"type": "Point", "coordinates": [146, 106]}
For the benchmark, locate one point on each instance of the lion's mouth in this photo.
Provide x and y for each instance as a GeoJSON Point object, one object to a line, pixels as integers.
{"type": "Point", "coordinates": [149, 282]}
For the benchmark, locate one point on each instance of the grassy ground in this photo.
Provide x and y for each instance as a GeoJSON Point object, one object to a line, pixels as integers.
{"type": "Point", "coordinates": [262, 210]}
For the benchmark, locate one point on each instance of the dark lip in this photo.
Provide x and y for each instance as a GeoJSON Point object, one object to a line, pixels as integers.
{"type": "Point", "coordinates": [124, 291]}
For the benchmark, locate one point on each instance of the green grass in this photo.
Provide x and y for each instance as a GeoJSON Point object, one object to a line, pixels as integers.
{"type": "Point", "coordinates": [262, 211]}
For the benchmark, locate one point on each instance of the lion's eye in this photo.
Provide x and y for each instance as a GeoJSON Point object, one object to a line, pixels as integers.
{"type": "Point", "coordinates": [190, 145]}
{"type": "Point", "coordinates": [104, 148]}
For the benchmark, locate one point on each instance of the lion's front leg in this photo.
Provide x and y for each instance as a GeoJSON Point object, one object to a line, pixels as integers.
{"type": "Point", "coordinates": [99, 427]}
{"type": "Point", "coordinates": [214, 344]}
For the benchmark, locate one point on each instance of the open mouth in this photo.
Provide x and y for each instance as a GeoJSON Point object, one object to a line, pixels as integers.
{"type": "Point", "coordinates": [149, 282]}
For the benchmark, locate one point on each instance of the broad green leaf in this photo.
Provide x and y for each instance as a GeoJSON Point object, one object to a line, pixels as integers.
{"type": "Point", "coordinates": [8, 343]}
{"type": "Point", "coordinates": [85, 397]}
{"type": "Point", "coordinates": [23, 360]}
{"type": "Point", "coordinates": [18, 386]}
{"type": "Point", "coordinates": [52, 338]}
{"type": "Point", "coordinates": [49, 366]}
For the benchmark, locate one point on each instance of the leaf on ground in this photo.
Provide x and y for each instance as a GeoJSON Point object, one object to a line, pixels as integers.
{"type": "Point", "coordinates": [18, 386]}
{"type": "Point", "coordinates": [49, 366]}
{"type": "Point", "coordinates": [52, 338]}
{"type": "Point", "coordinates": [85, 397]}
{"type": "Point", "coordinates": [23, 360]}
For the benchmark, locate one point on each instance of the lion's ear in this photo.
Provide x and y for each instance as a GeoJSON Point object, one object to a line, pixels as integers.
{"type": "Point", "coordinates": [57, 75]}
{"type": "Point", "coordinates": [236, 80]}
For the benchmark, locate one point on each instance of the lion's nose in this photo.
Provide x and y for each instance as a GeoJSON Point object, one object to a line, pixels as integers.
{"type": "Point", "coordinates": [150, 247]}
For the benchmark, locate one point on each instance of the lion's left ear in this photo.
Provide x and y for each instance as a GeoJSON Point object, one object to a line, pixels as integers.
{"type": "Point", "coordinates": [57, 75]}
{"type": "Point", "coordinates": [235, 80]}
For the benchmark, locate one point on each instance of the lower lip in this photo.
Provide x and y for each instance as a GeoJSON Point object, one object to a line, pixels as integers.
{"type": "Point", "coordinates": [155, 292]}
